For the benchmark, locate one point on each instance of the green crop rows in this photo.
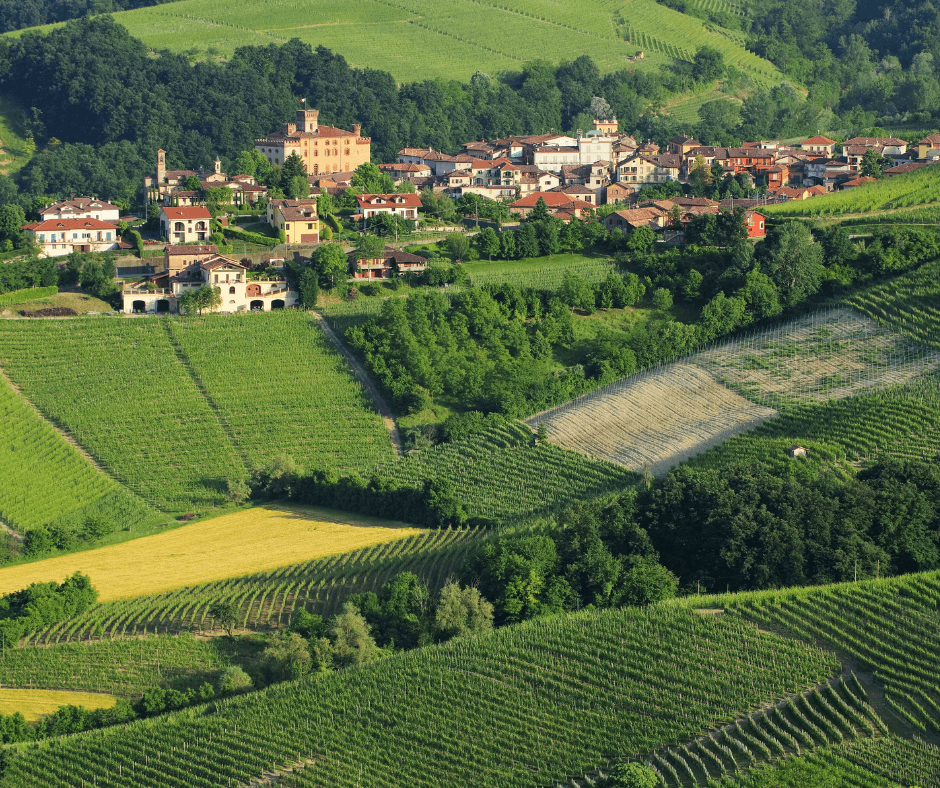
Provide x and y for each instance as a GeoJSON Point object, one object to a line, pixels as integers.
{"type": "Point", "coordinates": [901, 191]}
{"type": "Point", "coordinates": [540, 274]}
{"type": "Point", "coordinates": [44, 479]}
{"type": "Point", "coordinates": [270, 598]}
{"type": "Point", "coordinates": [174, 410]}
{"type": "Point", "coordinates": [280, 387]}
{"type": "Point", "coordinates": [526, 704]}
{"type": "Point", "coordinates": [831, 714]}
{"type": "Point", "coordinates": [501, 474]}
{"type": "Point", "coordinates": [909, 304]}
{"type": "Point", "coordinates": [119, 667]}
{"type": "Point", "coordinates": [887, 626]}
{"type": "Point", "coordinates": [903, 421]}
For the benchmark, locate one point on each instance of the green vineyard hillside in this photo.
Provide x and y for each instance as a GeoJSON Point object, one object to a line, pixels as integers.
{"type": "Point", "coordinates": [46, 481]}
{"type": "Point", "coordinates": [438, 40]}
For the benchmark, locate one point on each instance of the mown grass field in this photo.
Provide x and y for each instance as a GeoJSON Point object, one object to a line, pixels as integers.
{"type": "Point", "coordinates": [415, 40]}
{"type": "Point", "coordinates": [251, 540]}
{"type": "Point", "coordinates": [33, 704]}
{"type": "Point", "coordinates": [80, 302]}
{"type": "Point", "coordinates": [13, 154]}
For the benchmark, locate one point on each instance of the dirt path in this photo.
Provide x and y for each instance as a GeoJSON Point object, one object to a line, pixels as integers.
{"type": "Point", "coordinates": [363, 377]}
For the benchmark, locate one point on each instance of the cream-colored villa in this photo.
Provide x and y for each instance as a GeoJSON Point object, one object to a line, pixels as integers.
{"type": "Point", "coordinates": [240, 291]}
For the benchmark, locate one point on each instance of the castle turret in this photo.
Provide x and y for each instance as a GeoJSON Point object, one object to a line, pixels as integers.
{"type": "Point", "coordinates": [307, 120]}
{"type": "Point", "coordinates": [357, 129]}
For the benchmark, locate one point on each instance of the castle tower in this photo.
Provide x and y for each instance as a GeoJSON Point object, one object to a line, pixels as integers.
{"type": "Point", "coordinates": [307, 120]}
{"type": "Point", "coordinates": [218, 166]}
{"type": "Point", "coordinates": [161, 166]}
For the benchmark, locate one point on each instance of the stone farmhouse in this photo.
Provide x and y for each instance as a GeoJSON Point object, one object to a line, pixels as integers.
{"type": "Point", "coordinates": [323, 149]}
{"type": "Point", "coordinates": [188, 268]}
{"type": "Point", "coordinates": [185, 225]}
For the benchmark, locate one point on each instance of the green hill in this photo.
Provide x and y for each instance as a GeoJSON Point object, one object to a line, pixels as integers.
{"type": "Point", "coordinates": [843, 675]}
{"type": "Point", "coordinates": [415, 40]}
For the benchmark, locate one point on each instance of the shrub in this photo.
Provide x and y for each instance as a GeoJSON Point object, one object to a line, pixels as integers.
{"type": "Point", "coordinates": [234, 680]}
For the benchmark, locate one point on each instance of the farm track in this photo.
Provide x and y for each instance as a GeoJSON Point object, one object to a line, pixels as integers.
{"type": "Point", "coordinates": [362, 376]}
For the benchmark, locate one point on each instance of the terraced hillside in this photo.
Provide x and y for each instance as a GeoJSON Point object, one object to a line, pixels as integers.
{"type": "Point", "coordinates": [421, 40]}
{"type": "Point", "coordinates": [664, 416]}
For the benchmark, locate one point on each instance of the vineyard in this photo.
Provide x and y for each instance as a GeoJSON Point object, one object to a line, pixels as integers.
{"type": "Point", "coordinates": [673, 412]}
{"type": "Point", "coordinates": [901, 191]}
{"type": "Point", "coordinates": [269, 599]}
{"type": "Point", "coordinates": [174, 409]}
{"type": "Point", "coordinates": [889, 627]}
{"type": "Point", "coordinates": [539, 273]}
{"type": "Point", "coordinates": [445, 41]}
{"type": "Point", "coordinates": [259, 538]}
{"type": "Point", "coordinates": [43, 479]}
{"type": "Point", "coordinates": [305, 403]}
{"type": "Point", "coordinates": [120, 667]}
{"type": "Point", "coordinates": [910, 304]}
{"type": "Point", "coordinates": [501, 474]}
{"type": "Point", "coordinates": [652, 420]}
{"type": "Point", "coordinates": [902, 421]}
{"type": "Point", "coordinates": [526, 704]}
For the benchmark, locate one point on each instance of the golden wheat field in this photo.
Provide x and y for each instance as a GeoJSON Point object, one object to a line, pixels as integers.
{"type": "Point", "coordinates": [252, 540]}
{"type": "Point", "coordinates": [34, 704]}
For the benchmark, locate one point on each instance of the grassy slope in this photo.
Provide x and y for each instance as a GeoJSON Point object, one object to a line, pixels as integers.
{"type": "Point", "coordinates": [410, 38]}
{"type": "Point", "coordinates": [12, 137]}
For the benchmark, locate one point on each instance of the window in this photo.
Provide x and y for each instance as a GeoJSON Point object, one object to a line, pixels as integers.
{"type": "Point", "coordinates": [74, 235]}
{"type": "Point", "coordinates": [231, 291]}
{"type": "Point", "coordinates": [309, 225]}
{"type": "Point", "coordinates": [216, 277]}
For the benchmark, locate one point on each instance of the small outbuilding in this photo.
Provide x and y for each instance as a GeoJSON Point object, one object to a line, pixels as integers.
{"type": "Point", "coordinates": [797, 451]}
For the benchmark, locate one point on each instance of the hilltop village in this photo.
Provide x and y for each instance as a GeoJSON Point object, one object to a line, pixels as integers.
{"type": "Point", "coordinates": [597, 175]}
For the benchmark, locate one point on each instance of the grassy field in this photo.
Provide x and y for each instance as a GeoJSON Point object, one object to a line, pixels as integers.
{"type": "Point", "coordinates": [33, 704]}
{"type": "Point", "coordinates": [251, 540]}
{"type": "Point", "coordinates": [542, 273]}
{"type": "Point", "coordinates": [13, 153]}
{"type": "Point", "coordinates": [414, 40]}
{"type": "Point", "coordinates": [80, 302]}
{"type": "Point", "coordinates": [174, 410]}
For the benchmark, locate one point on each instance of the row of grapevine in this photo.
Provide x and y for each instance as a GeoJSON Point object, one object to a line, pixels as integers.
{"type": "Point", "coordinates": [832, 714]}
{"type": "Point", "coordinates": [525, 704]}
{"type": "Point", "coordinates": [501, 474]}
{"type": "Point", "coordinates": [269, 599]}
{"type": "Point", "coordinates": [43, 479]}
{"type": "Point", "coordinates": [889, 627]}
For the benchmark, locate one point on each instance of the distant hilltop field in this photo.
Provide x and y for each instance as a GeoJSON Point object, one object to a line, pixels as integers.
{"type": "Point", "coordinates": [420, 40]}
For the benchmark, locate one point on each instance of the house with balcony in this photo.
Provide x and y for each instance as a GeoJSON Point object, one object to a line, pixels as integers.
{"type": "Point", "coordinates": [58, 237]}
{"type": "Point", "coordinates": [185, 224]}
{"type": "Point", "coordinates": [241, 290]}
{"type": "Point", "coordinates": [82, 208]}
{"type": "Point", "coordinates": [405, 206]}
{"type": "Point", "coordinates": [391, 262]}
{"type": "Point", "coordinates": [643, 169]}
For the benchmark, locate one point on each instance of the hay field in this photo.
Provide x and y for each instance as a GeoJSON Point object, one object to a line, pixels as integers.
{"type": "Point", "coordinates": [252, 540]}
{"type": "Point", "coordinates": [655, 420]}
{"type": "Point", "coordinates": [34, 704]}
{"type": "Point", "coordinates": [819, 357]}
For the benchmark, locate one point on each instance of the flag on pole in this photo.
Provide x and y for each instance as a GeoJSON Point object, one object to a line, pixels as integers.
{"type": "Point", "coordinates": [303, 101]}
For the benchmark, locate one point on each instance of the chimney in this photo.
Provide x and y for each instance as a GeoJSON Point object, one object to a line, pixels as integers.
{"type": "Point", "coordinates": [357, 129]}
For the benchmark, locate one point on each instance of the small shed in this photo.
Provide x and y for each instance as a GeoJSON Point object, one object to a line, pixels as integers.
{"type": "Point", "coordinates": [797, 451]}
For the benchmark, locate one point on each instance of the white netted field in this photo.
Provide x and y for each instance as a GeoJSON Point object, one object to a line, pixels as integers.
{"type": "Point", "coordinates": [654, 420]}
{"type": "Point", "coordinates": [664, 416]}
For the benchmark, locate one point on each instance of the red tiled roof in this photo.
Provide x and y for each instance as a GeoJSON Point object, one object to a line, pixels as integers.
{"type": "Point", "coordinates": [190, 212]}
{"type": "Point", "coordinates": [196, 249]}
{"type": "Point", "coordinates": [819, 140]}
{"type": "Point", "coordinates": [80, 204]}
{"type": "Point", "coordinates": [391, 200]}
{"type": "Point", "coordinates": [552, 200]}
{"type": "Point", "coordinates": [70, 224]}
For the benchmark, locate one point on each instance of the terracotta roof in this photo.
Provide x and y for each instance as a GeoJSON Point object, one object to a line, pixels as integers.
{"type": "Point", "coordinates": [871, 142]}
{"type": "Point", "coordinates": [818, 140]}
{"type": "Point", "coordinates": [190, 212]}
{"type": "Point", "coordinates": [79, 205]}
{"type": "Point", "coordinates": [70, 224]}
{"type": "Point", "coordinates": [637, 217]}
{"type": "Point", "coordinates": [553, 199]}
{"type": "Point", "coordinates": [931, 139]}
{"type": "Point", "coordinates": [220, 262]}
{"type": "Point", "coordinates": [195, 250]}
{"type": "Point", "coordinates": [689, 202]}
{"type": "Point", "coordinates": [390, 200]}
{"type": "Point", "coordinates": [908, 166]}
{"type": "Point", "coordinates": [865, 179]}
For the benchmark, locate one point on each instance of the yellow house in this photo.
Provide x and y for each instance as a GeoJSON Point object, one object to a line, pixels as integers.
{"type": "Point", "coordinates": [297, 218]}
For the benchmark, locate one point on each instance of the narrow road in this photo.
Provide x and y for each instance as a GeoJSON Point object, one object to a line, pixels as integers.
{"type": "Point", "coordinates": [363, 377]}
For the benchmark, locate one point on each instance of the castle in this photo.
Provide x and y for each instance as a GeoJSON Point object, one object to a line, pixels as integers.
{"type": "Point", "coordinates": [323, 149]}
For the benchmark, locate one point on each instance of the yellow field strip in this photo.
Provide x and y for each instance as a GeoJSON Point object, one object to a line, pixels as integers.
{"type": "Point", "coordinates": [34, 704]}
{"type": "Point", "coordinates": [252, 540]}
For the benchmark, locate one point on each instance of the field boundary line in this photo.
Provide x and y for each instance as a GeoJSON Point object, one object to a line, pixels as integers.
{"type": "Point", "coordinates": [203, 390]}
{"type": "Point", "coordinates": [363, 377]}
